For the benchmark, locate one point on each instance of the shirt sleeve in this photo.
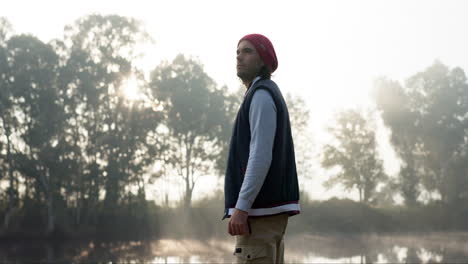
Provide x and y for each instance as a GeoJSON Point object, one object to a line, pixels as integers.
{"type": "Point", "coordinates": [262, 119]}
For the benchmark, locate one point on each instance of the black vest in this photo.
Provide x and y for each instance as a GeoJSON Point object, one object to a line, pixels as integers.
{"type": "Point", "coordinates": [281, 184]}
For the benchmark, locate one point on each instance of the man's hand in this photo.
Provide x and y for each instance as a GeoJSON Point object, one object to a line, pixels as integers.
{"type": "Point", "coordinates": [238, 223]}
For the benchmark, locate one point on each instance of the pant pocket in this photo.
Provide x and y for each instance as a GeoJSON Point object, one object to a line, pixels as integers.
{"type": "Point", "coordinates": [250, 253]}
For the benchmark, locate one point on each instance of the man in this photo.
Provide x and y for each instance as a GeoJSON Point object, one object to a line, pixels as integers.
{"type": "Point", "coordinates": [261, 186]}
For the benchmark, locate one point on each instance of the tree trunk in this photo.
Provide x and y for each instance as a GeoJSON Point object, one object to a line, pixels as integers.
{"type": "Point", "coordinates": [12, 199]}
{"type": "Point", "coordinates": [6, 219]}
{"type": "Point", "coordinates": [50, 253]}
{"type": "Point", "coordinates": [188, 188]}
{"type": "Point", "coordinates": [188, 197]}
{"type": "Point", "coordinates": [49, 197]}
{"type": "Point", "coordinates": [50, 215]}
{"type": "Point", "coordinates": [78, 209]}
{"type": "Point", "coordinates": [112, 185]}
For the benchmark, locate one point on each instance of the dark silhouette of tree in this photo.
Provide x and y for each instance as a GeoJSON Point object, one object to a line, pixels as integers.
{"type": "Point", "coordinates": [113, 137]}
{"type": "Point", "coordinates": [197, 116]}
{"type": "Point", "coordinates": [429, 130]}
{"type": "Point", "coordinates": [34, 95]}
{"type": "Point", "coordinates": [354, 153]}
{"type": "Point", "coordinates": [69, 135]}
{"type": "Point", "coordinates": [7, 123]}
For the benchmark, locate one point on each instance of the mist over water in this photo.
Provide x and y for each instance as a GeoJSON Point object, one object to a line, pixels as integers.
{"type": "Point", "coordinates": [301, 248]}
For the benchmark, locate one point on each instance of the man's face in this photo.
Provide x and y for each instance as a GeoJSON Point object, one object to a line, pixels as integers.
{"type": "Point", "coordinates": [249, 62]}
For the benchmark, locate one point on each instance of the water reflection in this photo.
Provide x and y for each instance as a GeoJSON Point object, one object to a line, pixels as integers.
{"type": "Point", "coordinates": [402, 248]}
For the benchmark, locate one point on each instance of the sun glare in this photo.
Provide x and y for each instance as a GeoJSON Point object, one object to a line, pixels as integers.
{"type": "Point", "coordinates": [131, 90]}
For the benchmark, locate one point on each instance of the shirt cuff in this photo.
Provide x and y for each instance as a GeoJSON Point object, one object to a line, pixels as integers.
{"type": "Point", "coordinates": [243, 205]}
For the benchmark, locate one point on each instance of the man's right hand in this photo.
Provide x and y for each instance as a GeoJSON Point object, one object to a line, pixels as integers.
{"type": "Point", "coordinates": [238, 224]}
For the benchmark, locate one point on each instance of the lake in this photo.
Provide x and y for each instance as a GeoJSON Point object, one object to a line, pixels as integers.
{"type": "Point", "coordinates": [300, 248]}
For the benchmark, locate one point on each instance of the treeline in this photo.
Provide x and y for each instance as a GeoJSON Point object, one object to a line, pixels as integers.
{"type": "Point", "coordinates": [83, 133]}
{"type": "Point", "coordinates": [76, 152]}
{"type": "Point", "coordinates": [334, 216]}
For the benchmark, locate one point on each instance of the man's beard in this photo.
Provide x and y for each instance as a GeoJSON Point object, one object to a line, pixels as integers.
{"type": "Point", "coordinates": [245, 77]}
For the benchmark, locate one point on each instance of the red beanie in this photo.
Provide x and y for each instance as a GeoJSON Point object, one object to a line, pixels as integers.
{"type": "Point", "coordinates": [264, 48]}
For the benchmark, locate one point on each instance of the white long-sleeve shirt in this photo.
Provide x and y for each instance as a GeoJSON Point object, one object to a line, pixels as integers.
{"type": "Point", "coordinates": [262, 119]}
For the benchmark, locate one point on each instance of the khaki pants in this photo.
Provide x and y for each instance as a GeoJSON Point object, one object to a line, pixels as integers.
{"type": "Point", "coordinates": [265, 244]}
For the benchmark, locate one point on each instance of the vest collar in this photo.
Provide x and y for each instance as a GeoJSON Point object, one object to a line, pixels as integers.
{"type": "Point", "coordinates": [252, 83]}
